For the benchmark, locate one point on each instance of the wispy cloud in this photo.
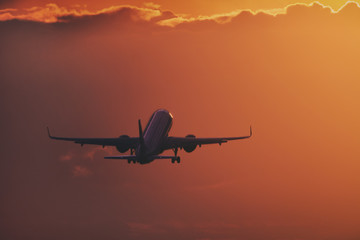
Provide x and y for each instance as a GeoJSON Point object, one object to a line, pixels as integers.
{"type": "Point", "coordinates": [67, 157]}
{"type": "Point", "coordinates": [90, 154]}
{"type": "Point", "coordinates": [81, 171]}
{"type": "Point", "coordinates": [81, 164]}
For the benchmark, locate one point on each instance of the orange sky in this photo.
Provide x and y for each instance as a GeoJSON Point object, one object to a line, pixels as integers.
{"type": "Point", "coordinates": [294, 77]}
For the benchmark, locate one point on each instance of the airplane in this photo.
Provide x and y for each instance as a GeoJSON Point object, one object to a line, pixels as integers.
{"type": "Point", "coordinates": [152, 141]}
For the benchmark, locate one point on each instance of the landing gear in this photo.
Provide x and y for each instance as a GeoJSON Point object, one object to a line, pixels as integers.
{"type": "Point", "coordinates": [175, 159]}
{"type": "Point", "coordinates": [131, 161]}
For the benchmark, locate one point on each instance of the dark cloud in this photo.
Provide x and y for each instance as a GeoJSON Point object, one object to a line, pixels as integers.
{"type": "Point", "coordinates": [125, 19]}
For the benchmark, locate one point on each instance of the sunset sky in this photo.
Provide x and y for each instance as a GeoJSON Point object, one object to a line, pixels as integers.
{"type": "Point", "coordinates": [195, 7]}
{"type": "Point", "coordinates": [93, 68]}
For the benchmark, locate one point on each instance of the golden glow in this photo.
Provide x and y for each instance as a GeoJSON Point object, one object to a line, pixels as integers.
{"type": "Point", "coordinates": [52, 13]}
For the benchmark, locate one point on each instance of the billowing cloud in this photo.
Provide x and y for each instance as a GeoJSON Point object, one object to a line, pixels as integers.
{"type": "Point", "coordinates": [52, 13]}
{"type": "Point", "coordinates": [227, 17]}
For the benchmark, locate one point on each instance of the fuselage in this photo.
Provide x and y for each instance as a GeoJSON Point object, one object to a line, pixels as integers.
{"type": "Point", "coordinates": [155, 134]}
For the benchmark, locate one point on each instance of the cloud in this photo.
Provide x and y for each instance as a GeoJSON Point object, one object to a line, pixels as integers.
{"type": "Point", "coordinates": [7, 10]}
{"type": "Point", "coordinates": [81, 171]}
{"type": "Point", "coordinates": [48, 14]}
{"type": "Point", "coordinates": [81, 164]}
{"type": "Point", "coordinates": [152, 5]}
{"type": "Point", "coordinates": [87, 155]}
{"type": "Point", "coordinates": [228, 17]}
{"type": "Point", "coordinates": [52, 13]}
{"type": "Point", "coordinates": [66, 157]}
{"type": "Point", "coordinates": [91, 153]}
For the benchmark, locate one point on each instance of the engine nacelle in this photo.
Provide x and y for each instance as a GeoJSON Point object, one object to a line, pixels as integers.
{"type": "Point", "coordinates": [121, 148]}
{"type": "Point", "coordinates": [191, 147]}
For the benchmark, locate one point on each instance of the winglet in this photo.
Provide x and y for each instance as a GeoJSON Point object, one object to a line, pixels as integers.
{"type": "Point", "coordinates": [49, 132]}
{"type": "Point", "coordinates": [250, 131]}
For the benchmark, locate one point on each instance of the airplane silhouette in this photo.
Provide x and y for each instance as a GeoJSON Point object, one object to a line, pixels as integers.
{"type": "Point", "coordinates": [152, 141]}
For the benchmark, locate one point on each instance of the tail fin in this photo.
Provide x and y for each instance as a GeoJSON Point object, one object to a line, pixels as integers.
{"type": "Point", "coordinates": [141, 135]}
{"type": "Point", "coordinates": [141, 138]}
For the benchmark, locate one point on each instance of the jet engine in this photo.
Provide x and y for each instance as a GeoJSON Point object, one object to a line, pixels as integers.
{"type": "Point", "coordinates": [191, 147]}
{"type": "Point", "coordinates": [122, 148]}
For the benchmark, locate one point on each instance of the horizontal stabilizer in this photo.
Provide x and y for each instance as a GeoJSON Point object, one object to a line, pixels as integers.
{"type": "Point", "coordinates": [163, 157]}
{"type": "Point", "coordinates": [125, 157]}
{"type": "Point", "coordinates": [132, 157]}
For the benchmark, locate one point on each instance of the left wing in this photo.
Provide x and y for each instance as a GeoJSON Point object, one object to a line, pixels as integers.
{"type": "Point", "coordinates": [180, 142]}
{"type": "Point", "coordinates": [128, 142]}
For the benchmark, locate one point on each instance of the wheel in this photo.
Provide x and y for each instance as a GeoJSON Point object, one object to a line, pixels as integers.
{"type": "Point", "coordinates": [172, 160]}
{"type": "Point", "coordinates": [129, 161]}
{"type": "Point", "coordinates": [178, 159]}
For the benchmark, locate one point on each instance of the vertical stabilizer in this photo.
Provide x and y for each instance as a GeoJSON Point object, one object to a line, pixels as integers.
{"type": "Point", "coordinates": [141, 136]}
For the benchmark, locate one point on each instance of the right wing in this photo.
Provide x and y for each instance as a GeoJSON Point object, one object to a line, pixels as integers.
{"type": "Point", "coordinates": [181, 142]}
{"type": "Point", "coordinates": [126, 142]}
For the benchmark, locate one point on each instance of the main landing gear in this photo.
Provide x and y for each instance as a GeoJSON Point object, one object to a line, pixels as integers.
{"type": "Point", "coordinates": [175, 158]}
